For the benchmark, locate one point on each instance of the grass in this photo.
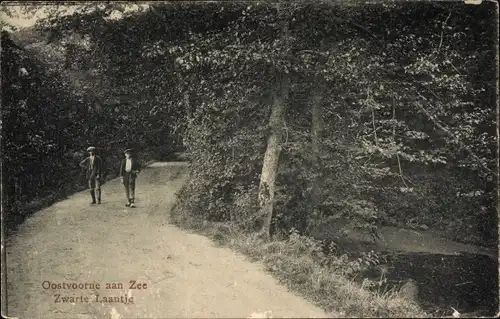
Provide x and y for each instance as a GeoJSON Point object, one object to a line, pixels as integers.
{"type": "Point", "coordinates": [294, 263]}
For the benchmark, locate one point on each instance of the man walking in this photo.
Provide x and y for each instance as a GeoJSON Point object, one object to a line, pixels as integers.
{"type": "Point", "coordinates": [129, 169]}
{"type": "Point", "coordinates": [94, 170]}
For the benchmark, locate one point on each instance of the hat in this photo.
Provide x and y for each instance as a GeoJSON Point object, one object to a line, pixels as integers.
{"type": "Point", "coordinates": [128, 150]}
{"type": "Point", "coordinates": [90, 149]}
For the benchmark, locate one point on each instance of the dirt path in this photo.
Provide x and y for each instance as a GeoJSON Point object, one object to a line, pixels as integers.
{"type": "Point", "coordinates": [186, 275]}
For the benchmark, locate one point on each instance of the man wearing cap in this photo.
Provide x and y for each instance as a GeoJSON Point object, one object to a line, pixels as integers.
{"type": "Point", "coordinates": [129, 169]}
{"type": "Point", "coordinates": [93, 166]}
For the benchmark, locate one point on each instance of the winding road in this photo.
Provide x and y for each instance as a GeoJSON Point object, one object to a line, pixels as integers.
{"type": "Point", "coordinates": [76, 260]}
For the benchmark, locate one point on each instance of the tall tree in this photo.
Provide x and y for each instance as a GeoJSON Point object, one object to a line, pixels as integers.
{"type": "Point", "coordinates": [276, 125]}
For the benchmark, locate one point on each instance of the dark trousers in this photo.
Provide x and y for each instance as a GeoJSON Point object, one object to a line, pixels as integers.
{"type": "Point", "coordinates": [129, 183]}
{"type": "Point", "coordinates": [95, 187]}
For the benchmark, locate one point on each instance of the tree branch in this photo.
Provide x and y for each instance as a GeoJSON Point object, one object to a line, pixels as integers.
{"type": "Point", "coordinates": [455, 139]}
{"type": "Point", "coordinates": [323, 54]}
{"type": "Point", "coordinates": [374, 128]}
{"type": "Point", "coordinates": [442, 33]}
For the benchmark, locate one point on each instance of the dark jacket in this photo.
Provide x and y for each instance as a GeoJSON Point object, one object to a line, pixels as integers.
{"type": "Point", "coordinates": [136, 167]}
{"type": "Point", "coordinates": [96, 171]}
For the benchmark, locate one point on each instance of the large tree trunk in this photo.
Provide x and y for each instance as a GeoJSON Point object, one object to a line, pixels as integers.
{"type": "Point", "coordinates": [271, 157]}
{"type": "Point", "coordinates": [316, 104]}
{"type": "Point", "coordinates": [273, 151]}
{"type": "Point", "coordinates": [316, 137]}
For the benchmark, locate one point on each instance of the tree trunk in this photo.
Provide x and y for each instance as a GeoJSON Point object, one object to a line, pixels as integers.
{"type": "Point", "coordinates": [276, 122]}
{"type": "Point", "coordinates": [187, 106]}
{"type": "Point", "coordinates": [271, 157]}
{"type": "Point", "coordinates": [316, 135]}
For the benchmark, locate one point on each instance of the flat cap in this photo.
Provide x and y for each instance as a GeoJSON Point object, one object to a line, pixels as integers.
{"type": "Point", "coordinates": [90, 148]}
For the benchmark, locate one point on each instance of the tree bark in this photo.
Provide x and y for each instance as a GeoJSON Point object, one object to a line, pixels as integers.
{"type": "Point", "coordinates": [271, 157]}
{"type": "Point", "coordinates": [316, 135]}
{"type": "Point", "coordinates": [187, 105]}
{"type": "Point", "coordinates": [273, 151]}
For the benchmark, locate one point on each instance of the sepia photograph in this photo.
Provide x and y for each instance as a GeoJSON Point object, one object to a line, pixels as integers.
{"type": "Point", "coordinates": [249, 159]}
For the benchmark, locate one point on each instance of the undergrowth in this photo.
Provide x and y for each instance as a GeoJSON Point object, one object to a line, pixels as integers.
{"type": "Point", "coordinates": [328, 280]}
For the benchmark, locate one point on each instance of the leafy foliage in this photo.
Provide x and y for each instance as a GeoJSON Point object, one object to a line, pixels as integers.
{"type": "Point", "coordinates": [41, 125]}
{"type": "Point", "coordinates": [389, 118]}
{"type": "Point", "coordinates": [403, 104]}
